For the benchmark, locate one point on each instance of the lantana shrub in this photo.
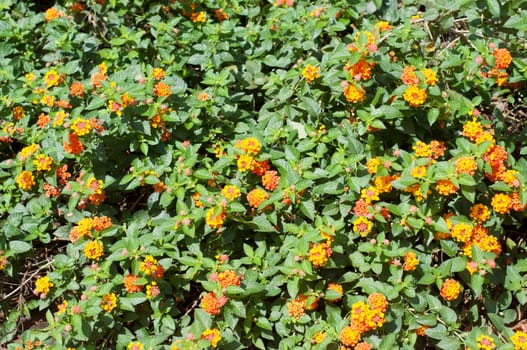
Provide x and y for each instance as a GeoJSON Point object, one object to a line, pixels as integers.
{"type": "Point", "coordinates": [263, 174]}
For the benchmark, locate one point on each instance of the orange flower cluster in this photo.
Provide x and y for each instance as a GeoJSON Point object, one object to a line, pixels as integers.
{"type": "Point", "coordinates": [25, 180]}
{"type": "Point", "coordinates": [319, 254]}
{"type": "Point", "coordinates": [43, 285]}
{"type": "Point", "coordinates": [354, 94]}
{"type": "Point", "coordinates": [364, 317]}
{"type": "Point", "coordinates": [228, 278]}
{"type": "Point", "coordinates": [162, 90]}
{"type": "Point", "coordinates": [362, 225]}
{"type": "Point", "coordinates": [99, 75]}
{"type": "Point", "coordinates": [77, 89]}
{"type": "Point", "coordinates": [297, 306]}
{"type": "Point", "coordinates": [249, 145]}
{"type": "Point", "coordinates": [212, 304]}
{"type": "Point", "coordinates": [52, 13]}
{"type": "Point", "coordinates": [86, 225]}
{"type": "Point", "coordinates": [450, 289]}
{"type": "Point", "coordinates": [477, 235]}
{"type": "Point", "coordinates": [270, 180]}
{"type": "Point", "coordinates": [362, 70]}
{"type": "Point", "coordinates": [410, 261]}
{"type": "Point", "coordinates": [446, 187]}
{"type": "Point", "coordinates": [466, 165]}
{"type": "Point", "coordinates": [256, 197]}
{"type": "Point", "coordinates": [74, 146]}
{"type": "Point", "coordinates": [129, 283]}
{"type": "Point", "coordinates": [519, 340]}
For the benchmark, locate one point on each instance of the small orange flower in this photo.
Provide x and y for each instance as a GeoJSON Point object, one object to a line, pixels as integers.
{"type": "Point", "coordinates": [297, 306]}
{"type": "Point", "coordinates": [270, 180]}
{"type": "Point", "coordinates": [408, 76]}
{"type": "Point", "coordinates": [77, 89]}
{"type": "Point", "coordinates": [212, 304]}
{"type": "Point", "coordinates": [418, 172]}
{"type": "Point", "coordinates": [249, 145]}
{"type": "Point", "coordinates": [148, 265]}
{"type": "Point", "coordinates": [410, 261]}
{"type": "Point", "coordinates": [378, 301]}
{"type": "Point", "coordinates": [480, 213]}
{"type": "Point", "coordinates": [245, 162]}
{"type": "Point", "coordinates": [466, 165]}
{"type": "Point", "coordinates": [501, 203]}
{"type": "Point", "coordinates": [430, 76]}
{"type": "Point", "coordinates": [354, 94]}
{"type": "Point", "coordinates": [43, 285]}
{"type": "Point", "coordinates": [158, 73]}
{"type": "Point", "coordinates": [228, 278]}
{"type": "Point", "coordinates": [25, 180]}
{"type": "Point", "coordinates": [129, 283]}
{"type": "Point", "coordinates": [319, 254]}
{"type": "Point", "coordinates": [503, 58]}
{"type": "Point", "coordinates": [450, 289]}
{"type": "Point", "coordinates": [256, 197]}
{"type": "Point", "coordinates": [162, 90]}
{"type": "Point", "coordinates": [350, 336]}
{"type": "Point", "coordinates": [445, 187]}
{"type": "Point", "coordinates": [74, 146]}
{"type": "Point", "coordinates": [372, 165]}
{"type": "Point", "coordinates": [212, 335]}
{"type": "Point", "coordinates": [52, 13]}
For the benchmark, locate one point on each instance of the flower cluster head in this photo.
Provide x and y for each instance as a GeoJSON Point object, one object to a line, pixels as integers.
{"type": "Point", "coordinates": [362, 225]}
{"type": "Point", "coordinates": [135, 345]}
{"type": "Point", "coordinates": [130, 285]}
{"type": "Point", "coordinates": [81, 126]}
{"type": "Point", "coordinates": [297, 307]}
{"type": "Point", "coordinates": [215, 219]}
{"type": "Point", "coordinates": [212, 304]}
{"type": "Point", "coordinates": [25, 180]}
{"type": "Point", "coordinates": [364, 317]}
{"type": "Point", "coordinates": [486, 342]}
{"type": "Point", "coordinates": [310, 73]}
{"type": "Point", "coordinates": [361, 70]}
{"type": "Point", "coordinates": [354, 94]}
{"type": "Point", "coordinates": [162, 90]}
{"type": "Point", "coordinates": [450, 289]}
{"type": "Point", "coordinates": [503, 58]}
{"type": "Point", "coordinates": [93, 250]}
{"type": "Point", "coordinates": [43, 162]}
{"type": "Point", "coordinates": [519, 340]}
{"type": "Point", "coordinates": [480, 213]}
{"type": "Point", "coordinates": [270, 180]}
{"type": "Point", "coordinates": [43, 285]}
{"type": "Point", "coordinates": [466, 165]}
{"type": "Point", "coordinates": [256, 197]}
{"type": "Point", "coordinates": [501, 203]}
{"type": "Point", "coordinates": [150, 267]}
{"type": "Point", "coordinates": [410, 261]}
{"type": "Point", "coordinates": [319, 254]}
{"type": "Point", "coordinates": [109, 302]}
{"type": "Point", "coordinates": [212, 335]}
{"type": "Point", "coordinates": [249, 145]}
{"type": "Point", "coordinates": [415, 96]}
{"type": "Point", "coordinates": [228, 278]}
{"type": "Point", "coordinates": [231, 192]}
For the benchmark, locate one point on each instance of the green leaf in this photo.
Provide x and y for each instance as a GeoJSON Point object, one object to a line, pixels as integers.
{"type": "Point", "coordinates": [438, 332]}
{"type": "Point", "coordinates": [19, 247]}
{"type": "Point", "coordinates": [262, 224]}
{"type": "Point", "coordinates": [449, 343]}
{"type": "Point", "coordinates": [308, 209]}
{"type": "Point", "coordinates": [494, 7]}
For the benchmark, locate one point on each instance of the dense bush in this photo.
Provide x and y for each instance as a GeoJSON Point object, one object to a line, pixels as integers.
{"type": "Point", "coordinates": [248, 174]}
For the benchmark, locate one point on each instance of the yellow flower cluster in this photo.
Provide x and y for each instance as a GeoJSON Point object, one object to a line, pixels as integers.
{"type": "Point", "coordinates": [81, 126]}
{"type": "Point", "coordinates": [109, 302]}
{"type": "Point", "coordinates": [364, 317]}
{"type": "Point", "coordinates": [519, 340]}
{"type": "Point", "coordinates": [43, 162]}
{"type": "Point", "coordinates": [354, 94]}
{"type": "Point", "coordinates": [25, 180]}
{"type": "Point", "coordinates": [93, 250]}
{"type": "Point", "coordinates": [43, 285]}
{"type": "Point", "coordinates": [212, 335]}
{"type": "Point", "coordinates": [415, 96]}
{"type": "Point", "coordinates": [410, 261]}
{"type": "Point", "coordinates": [249, 145]}
{"type": "Point", "coordinates": [231, 192]}
{"type": "Point", "coordinates": [310, 72]}
{"type": "Point", "coordinates": [215, 220]}
{"type": "Point", "coordinates": [319, 254]}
